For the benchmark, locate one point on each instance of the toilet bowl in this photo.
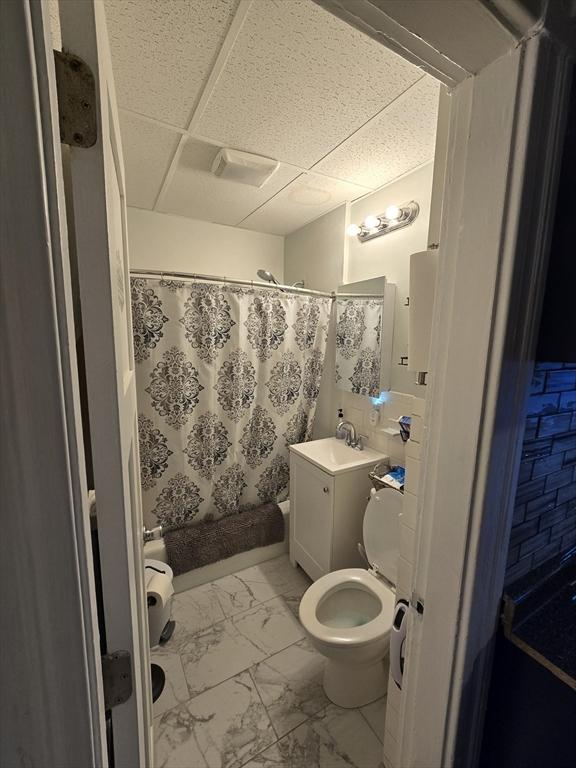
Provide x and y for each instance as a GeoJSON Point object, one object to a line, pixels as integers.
{"type": "Point", "coordinates": [347, 614]}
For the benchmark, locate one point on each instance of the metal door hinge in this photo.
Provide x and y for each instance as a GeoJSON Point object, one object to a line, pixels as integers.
{"type": "Point", "coordinates": [76, 100]}
{"type": "Point", "coordinates": [117, 678]}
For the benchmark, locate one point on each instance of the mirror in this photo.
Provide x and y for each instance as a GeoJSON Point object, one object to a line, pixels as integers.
{"type": "Point", "coordinates": [364, 332]}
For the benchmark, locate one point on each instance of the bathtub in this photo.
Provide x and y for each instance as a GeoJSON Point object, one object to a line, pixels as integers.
{"type": "Point", "coordinates": [156, 550]}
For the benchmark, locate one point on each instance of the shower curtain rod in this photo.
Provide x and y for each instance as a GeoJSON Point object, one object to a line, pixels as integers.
{"type": "Point", "coordinates": [253, 283]}
{"type": "Point", "coordinates": [235, 281]}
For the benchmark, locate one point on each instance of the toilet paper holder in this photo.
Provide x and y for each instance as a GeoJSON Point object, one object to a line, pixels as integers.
{"type": "Point", "coordinates": [152, 534]}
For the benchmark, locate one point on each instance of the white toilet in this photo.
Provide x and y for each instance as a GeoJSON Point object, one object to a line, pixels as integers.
{"type": "Point", "coordinates": [348, 613]}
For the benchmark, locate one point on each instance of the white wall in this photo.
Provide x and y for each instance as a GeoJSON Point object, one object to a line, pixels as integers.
{"type": "Point", "coordinates": [323, 255]}
{"type": "Point", "coordinates": [166, 242]}
{"type": "Point", "coordinates": [315, 253]}
{"type": "Point", "coordinates": [389, 255]}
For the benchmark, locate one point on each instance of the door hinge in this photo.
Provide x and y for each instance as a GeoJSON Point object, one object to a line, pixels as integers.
{"type": "Point", "coordinates": [76, 100]}
{"type": "Point", "coordinates": [117, 678]}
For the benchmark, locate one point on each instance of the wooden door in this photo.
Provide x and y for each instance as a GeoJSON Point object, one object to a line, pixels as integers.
{"type": "Point", "coordinates": [99, 227]}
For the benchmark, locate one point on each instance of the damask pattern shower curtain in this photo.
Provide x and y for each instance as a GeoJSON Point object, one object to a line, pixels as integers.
{"type": "Point", "coordinates": [358, 345]}
{"type": "Point", "coordinates": [227, 378]}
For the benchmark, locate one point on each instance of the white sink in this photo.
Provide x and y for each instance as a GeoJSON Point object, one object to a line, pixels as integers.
{"type": "Point", "coordinates": [335, 457]}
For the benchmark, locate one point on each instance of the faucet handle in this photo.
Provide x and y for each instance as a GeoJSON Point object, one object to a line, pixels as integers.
{"type": "Point", "coordinates": [360, 442]}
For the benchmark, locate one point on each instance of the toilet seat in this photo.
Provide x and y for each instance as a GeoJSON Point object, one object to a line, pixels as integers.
{"type": "Point", "coordinates": [375, 629]}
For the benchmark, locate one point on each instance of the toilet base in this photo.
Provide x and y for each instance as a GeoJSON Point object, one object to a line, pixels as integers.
{"type": "Point", "coordinates": [352, 686]}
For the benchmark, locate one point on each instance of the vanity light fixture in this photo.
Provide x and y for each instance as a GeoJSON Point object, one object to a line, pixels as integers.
{"type": "Point", "coordinates": [394, 217]}
{"type": "Point", "coordinates": [371, 223]}
{"type": "Point", "coordinates": [353, 230]}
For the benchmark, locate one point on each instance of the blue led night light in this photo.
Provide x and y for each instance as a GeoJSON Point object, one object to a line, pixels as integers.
{"type": "Point", "coordinates": [381, 399]}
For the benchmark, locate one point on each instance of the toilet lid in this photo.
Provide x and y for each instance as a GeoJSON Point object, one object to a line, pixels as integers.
{"type": "Point", "coordinates": [381, 531]}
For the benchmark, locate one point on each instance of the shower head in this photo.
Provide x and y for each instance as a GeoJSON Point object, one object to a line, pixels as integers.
{"type": "Point", "coordinates": [263, 274]}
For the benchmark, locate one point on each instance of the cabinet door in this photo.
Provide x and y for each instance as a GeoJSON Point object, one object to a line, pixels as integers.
{"type": "Point", "coordinates": [312, 505]}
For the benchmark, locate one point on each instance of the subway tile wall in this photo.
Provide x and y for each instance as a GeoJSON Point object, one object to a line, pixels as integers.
{"type": "Point", "coordinates": [358, 408]}
{"type": "Point", "coordinates": [406, 561]}
{"type": "Point", "coordinates": [544, 523]}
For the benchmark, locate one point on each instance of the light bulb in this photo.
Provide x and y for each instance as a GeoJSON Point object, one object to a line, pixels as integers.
{"type": "Point", "coordinates": [392, 213]}
{"type": "Point", "coordinates": [371, 222]}
{"type": "Point", "coordinates": [353, 230]}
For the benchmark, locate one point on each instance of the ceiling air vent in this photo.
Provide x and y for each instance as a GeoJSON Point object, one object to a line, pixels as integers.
{"type": "Point", "coordinates": [233, 165]}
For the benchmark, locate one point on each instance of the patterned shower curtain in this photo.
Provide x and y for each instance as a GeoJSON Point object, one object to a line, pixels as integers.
{"type": "Point", "coordinates": [358, 347]}
{"type": "Point", "coordinates": [227, 378]}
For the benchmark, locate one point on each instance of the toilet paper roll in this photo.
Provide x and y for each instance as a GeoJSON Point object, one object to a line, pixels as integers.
{"type": "Point", "coordinates": [159, 593]}
{"type": "Point", "coordinates": [160, 587]}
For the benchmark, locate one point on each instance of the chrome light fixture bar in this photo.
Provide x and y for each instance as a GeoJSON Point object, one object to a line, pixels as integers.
{"type": "Point", "coordinates": [394, 217]}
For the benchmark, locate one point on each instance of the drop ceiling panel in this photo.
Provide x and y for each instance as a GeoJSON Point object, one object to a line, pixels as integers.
{"type": "Point", "coordinates": [164, 51]}
{"type": "Point", "coordinates": [401, 138]}
{"type": "Point", "coordinates": [308, 197]}
{"type": "Point", "coordinates": [147, 150]}
{"type": "Point", "coordinates": [298, 81]}
{"type": "Point", "coordinates": [195, 192]}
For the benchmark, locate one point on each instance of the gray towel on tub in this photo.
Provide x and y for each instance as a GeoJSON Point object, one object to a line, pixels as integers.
{"type": "Point", "coordinates": [193, 546]}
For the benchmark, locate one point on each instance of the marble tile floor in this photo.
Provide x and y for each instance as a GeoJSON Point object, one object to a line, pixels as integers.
{"type": "Point", "coordinates": [244, 685]}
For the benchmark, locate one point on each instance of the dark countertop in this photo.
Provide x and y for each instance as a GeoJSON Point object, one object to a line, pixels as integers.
{"type": "Point", "coordinates": [540, 615]}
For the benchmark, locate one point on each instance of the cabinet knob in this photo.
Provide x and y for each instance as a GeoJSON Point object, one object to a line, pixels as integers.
{"type": "Point", "coordinates": [326, 489]}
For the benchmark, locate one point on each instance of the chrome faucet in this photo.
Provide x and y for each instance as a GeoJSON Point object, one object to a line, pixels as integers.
{"type": "Point", "coordinates": [352, 439]}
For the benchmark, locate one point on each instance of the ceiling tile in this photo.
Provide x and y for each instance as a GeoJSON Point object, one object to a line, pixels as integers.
{"type": "Point", "coordinates": [398, 140]}
{"type": "Point", "coordinates": [194, 191]}
{"type": "Point", "coordinates": [162, 52]}
{"type": "Point", "coordinates": [307, 198]}
{"type": "Point", "coordinates": [298, 81]}
{"type": "Point", "coordinates": [147, 150]}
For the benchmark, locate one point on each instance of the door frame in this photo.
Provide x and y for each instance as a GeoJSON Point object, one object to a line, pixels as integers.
{"type": "Point", "coordinates": [497, 213]}
{"type": "Point", "coordinates": [524, 48]}
{"type": "Point", "coordinates": [52, 703]}
{"type": "Point", "coordinates": [496, 247]}
{"type": "Point", "coordinates": [95, 188]}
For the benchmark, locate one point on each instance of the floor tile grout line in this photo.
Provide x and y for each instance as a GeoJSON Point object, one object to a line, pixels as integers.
{"type": "Point", "coordinates": [227, 679]}
{"type": "Point", "coordinates": [180, 654]}
{"type": "Point", "coordinates": [359, 709]}
{"type": "Point", "coordinates": [254, 683]}
{"type": "Point", "coordinates": [309, 718]}
{"type": "Point", "coordinates": [230, 677]}
{"type": "Point", "coordinates": [260, 695]}
{"type": "Point", "coordinates": [246, 669]}
{"type": "Point", "coordinates": [280, 738]}
{"type": "Point", "coordinates": [235, 615]}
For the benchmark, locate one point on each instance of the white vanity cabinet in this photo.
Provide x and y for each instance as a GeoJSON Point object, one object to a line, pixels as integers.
{"type": "Point", "coordinates": [329, 490]}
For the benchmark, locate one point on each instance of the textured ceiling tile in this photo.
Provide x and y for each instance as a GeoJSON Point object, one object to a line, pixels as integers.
{"type": "Point", "coordinates": [298, 81]}
{"type": "Point", "coordinates": [307, 198]}
{"type": "Point", "coordinates": [401, 138]}
{"type": "Point", "coordinates": [147, 150]}
{"type": "Point", "coordinates": [195, 192]}
{"type": "Point", "coordinates": [163, 51]}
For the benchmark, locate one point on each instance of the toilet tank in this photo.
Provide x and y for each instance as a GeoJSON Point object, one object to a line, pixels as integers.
{"type": "Point", "coordinates": [381, 531]}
